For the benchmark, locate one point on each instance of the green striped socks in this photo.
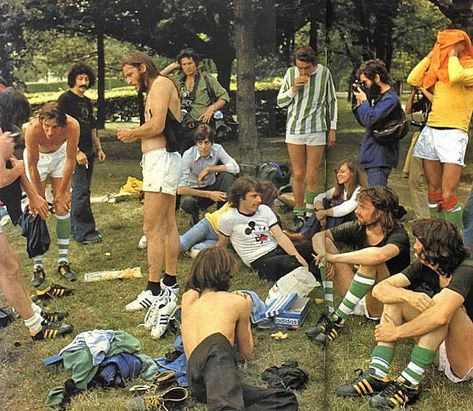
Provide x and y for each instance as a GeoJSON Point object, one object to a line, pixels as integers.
{"type": "Point", "coordinates": [63, 231]}
{"type": "Point", "coordinates": [421, 358]}
{"type": "Point", "coordinates": [359, 287]}
{"type": "Point", "coordinates": [381, 358]}
{"type": "Point", "coordinates": [309, 203]}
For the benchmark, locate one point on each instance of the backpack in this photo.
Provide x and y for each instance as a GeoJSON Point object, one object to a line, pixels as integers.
{"type": "Point", "coordinates": [278, 173]}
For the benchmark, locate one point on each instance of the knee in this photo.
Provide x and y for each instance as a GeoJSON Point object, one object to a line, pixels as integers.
{"type": "Point", "coordinates": [298, 175]}
{"type": "Point", "coordinates": [368, 270]}
{"type": "Point", "coordinates": [188, 203]}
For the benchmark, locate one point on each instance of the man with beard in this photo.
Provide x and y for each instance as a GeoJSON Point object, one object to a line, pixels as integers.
{"type": "Point", "coordinates": [381, 248]}
{"type": "Point", "coordinates": [431, 301]}
{"type": "Point", "coordinates": [375, 101]}
{"type": "Point", "coordinates": [161, 173]}
{"type": "Point", "coordinates": [80, 78]}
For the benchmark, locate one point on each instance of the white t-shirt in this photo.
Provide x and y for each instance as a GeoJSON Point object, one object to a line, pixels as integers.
{"type": "Point", "coordinates": [249, 234]}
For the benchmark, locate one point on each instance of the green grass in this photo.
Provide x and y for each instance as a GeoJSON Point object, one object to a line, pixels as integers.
{"type": "Point", "coordinates": [25, 381]}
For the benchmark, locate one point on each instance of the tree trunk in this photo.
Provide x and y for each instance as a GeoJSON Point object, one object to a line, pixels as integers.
{"type": "Point", "coordinates": [246, 59]}
{"type": "Point", "coordinates": [100, 81]}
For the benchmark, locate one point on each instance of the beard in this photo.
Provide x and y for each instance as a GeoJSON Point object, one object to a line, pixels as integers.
{"type": "Point", "coordinates": [374, 91]}
{"type": "Point", "coordinates": [142, 87]}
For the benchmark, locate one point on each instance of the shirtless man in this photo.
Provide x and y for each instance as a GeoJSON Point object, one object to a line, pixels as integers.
{"type": "Point", "coordinates": [51, 141]}
{"type": "Point", "coordinates": [15, 109]}
{"type": "Point", "coordinates": [161, 173]}
{"type": "Point", "coordinates": [211, 368]}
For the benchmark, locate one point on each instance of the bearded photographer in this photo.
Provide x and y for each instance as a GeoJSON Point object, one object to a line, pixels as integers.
{"type": "Point", "coordinates": [375, 103]}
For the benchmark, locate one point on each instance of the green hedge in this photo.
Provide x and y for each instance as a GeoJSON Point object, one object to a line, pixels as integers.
{"type": "Point", "coordinates": [53, 86]}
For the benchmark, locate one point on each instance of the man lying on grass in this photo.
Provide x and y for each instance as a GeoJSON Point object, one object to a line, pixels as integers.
{"type": "Point", "coordinates": [212, 369]}
{"type": "Point", "coordinates": [431, 301]}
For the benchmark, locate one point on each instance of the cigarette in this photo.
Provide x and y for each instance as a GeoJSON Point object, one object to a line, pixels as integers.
{"type": "Point", "coordinates": [87, 166]}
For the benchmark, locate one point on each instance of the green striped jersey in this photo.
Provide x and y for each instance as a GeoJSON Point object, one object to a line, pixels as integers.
{"type": "Point", "coordinates": [309, 108]}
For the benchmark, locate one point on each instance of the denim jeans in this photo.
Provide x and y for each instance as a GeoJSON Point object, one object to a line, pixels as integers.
{"type": "Point", "coordinates": [378, 176]}
{"type": "Point", "coordinates": [468, 221]}
{"type": "Point", "coordinates": [198, 237]}
{"type": "Point", "coordinates": [82, 219]}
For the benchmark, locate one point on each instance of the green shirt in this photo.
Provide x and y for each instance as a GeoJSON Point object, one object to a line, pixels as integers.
{"type": "Point", "coordinates": [309, 107]}
{"type": "Point", "coordinates": [202, 100]}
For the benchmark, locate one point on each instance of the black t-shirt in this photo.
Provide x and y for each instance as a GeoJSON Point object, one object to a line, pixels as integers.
{"type": "Point", "coordinates": [422, 277]}
{"type": "Point", "coordinates": [353, 234]}
{"type": "Point", "coordinates": [81, 109]}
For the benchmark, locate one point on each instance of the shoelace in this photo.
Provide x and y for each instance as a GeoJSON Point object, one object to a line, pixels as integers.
{"type": "Point", "coordinates": [394, 393]}
{"type": "Point", "coordinates": [156, 401]}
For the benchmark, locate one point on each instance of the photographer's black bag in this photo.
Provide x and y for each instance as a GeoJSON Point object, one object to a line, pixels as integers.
{"type": "Point", "coordinates": [226, 128]}
{"type": "Point", "coordinates": [393, 127]}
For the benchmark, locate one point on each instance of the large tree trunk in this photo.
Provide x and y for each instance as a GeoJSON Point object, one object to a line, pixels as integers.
{"type": "Point", "coordinates": [100, 81]}
{"type": "Point", "coordinates": [246, 59]}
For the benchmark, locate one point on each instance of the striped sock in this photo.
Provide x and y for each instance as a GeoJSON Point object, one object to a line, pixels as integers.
{"type": "Point", "coordinates": [38, 261]}
{"type": "Point", "coordinates": [381, 358]}
{"type": "Point", "coordinates": [309, 202]}
{"type": "Point", "coordinates": [421, 358]}
{"type": "Point", "coordinates": [453, 212]}
{"type": "Point", "coordinates": [63, 231]}
{"type": "Point", "coordinates": [359, 287]}
{"type": "Point", "coordinates": [328, 291]}
{"type": "Point", "coordinates": [298, 211]}
{"type": "Point", "coordinates": [36, 308]}
{"type": "Point", "coordinates": [435, 200]}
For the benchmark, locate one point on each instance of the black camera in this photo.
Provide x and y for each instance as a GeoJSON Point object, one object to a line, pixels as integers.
{"type": "Point", "coordinates": [359, 84]}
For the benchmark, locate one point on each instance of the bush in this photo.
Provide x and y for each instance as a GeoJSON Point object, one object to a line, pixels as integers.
{"type": "Point", "coordinates": [56, 86]}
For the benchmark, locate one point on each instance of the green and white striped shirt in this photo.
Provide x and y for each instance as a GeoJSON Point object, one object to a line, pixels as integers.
{"type": "Point", "coordinates": [307, 108]}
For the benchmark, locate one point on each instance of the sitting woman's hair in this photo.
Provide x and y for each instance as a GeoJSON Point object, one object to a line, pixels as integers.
{"type": "Point", "coordinates": [212, 269]}
{"type": "Point", "coordinates": [442, 244]}
{"type": "Point", "coordinates": [358, 180]}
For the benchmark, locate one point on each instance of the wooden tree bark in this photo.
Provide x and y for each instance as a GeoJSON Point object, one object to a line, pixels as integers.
{"type": "Point", "coordinates": [246, 58]}
{"type": "Point", "coordinates": [100, 81]}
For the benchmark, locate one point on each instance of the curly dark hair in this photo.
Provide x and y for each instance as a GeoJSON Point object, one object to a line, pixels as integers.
{"type": "Point", "coordinates": [190, 54]}
{"type": "Point", "coordinates": [372, 67]}
{"type": "Point", "coordinates": [442, 244]}
{"type": "Point", "coordinates": [386, 202]}
{"type": "Point", "coordinates": [14, 109]}
{"type": "Point", "coordinates": [203, 131]}
{"type": "Point", "coordinates": [80, 68]}
{"type": "Point", "coordinates": [241, 187]}
{"type": "Point", "coordinates": [212, 269]}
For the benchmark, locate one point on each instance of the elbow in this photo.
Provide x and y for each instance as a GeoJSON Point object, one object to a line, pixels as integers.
{"type": "Point", "coordinates": [441, 320]}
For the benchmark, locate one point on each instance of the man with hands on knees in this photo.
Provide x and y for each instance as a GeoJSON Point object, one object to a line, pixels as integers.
{"type": "Point", "coordinates": [381, 248]}
{"type": "Point", "coordinates": [208, 172]}
{"type": "Point", "coordinates": [51, 141]}
{"type": "Point", "coordinates": [431, 301]}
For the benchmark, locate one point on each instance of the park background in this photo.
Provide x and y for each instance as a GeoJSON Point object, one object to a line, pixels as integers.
{"type": "Point", "coordinates": [247, 45]}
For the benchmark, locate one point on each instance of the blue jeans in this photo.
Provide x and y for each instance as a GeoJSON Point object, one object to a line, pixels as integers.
{"type": "Point", "coordinates": [378, 176]}
{"type": "Point", "coordinates": [468, 221]}
{"type": "Point", "coordinates": [198, 237]}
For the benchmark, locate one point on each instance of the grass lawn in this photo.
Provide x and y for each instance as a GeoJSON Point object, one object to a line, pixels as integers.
{"type": "Point", "coordinates": [25, 381]}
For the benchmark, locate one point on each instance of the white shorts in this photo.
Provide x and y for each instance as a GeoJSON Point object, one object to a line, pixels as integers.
{"type": "Point", "coordinates": [362, 311]}
{"type": "Point", "coordinates": [444, 366]}
{"type": "Point", "coordinates": [318, 138]}
{"type": "Point", "coordinates": [161, 171]}
{"type": "Point", "coordinates": [49, 164]}
{"type": "Point", "coordinates": [446, 146]}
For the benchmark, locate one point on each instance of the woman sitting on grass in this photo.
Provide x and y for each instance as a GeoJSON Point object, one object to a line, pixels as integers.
{"type": "Point", "coordinates": [204, 233]}
{"type": "Point", "coordinates": [337, 205]}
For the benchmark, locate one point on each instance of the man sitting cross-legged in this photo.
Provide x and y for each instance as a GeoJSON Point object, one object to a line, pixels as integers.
{"type": "Point", "coordinates": [381, 249]}
{"type": "Point", "coordinates": [212, 370]}
{"type": "Point", "coordinates": [431, 301]}
{"type": "Point", "coordinates": [255, 234]}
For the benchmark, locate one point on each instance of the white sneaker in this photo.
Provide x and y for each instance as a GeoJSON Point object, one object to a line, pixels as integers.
{"type": "Point", "coordinates": [161, 312]}
{"type": "Point", "coordinates": [143, 243]}
{"type": "Point", "coordinates": [144, 300]}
